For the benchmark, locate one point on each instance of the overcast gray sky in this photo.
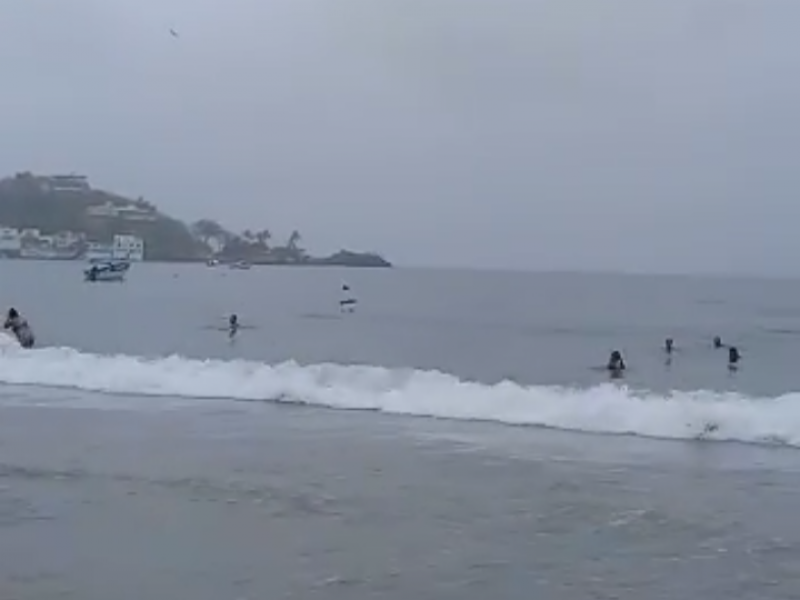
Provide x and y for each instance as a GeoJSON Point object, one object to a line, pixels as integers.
{"type": "Point", "coordinates": [610, 134]}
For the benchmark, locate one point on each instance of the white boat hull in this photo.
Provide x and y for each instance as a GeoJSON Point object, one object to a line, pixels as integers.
{"type": "Point", "coordinates": [107, 271]}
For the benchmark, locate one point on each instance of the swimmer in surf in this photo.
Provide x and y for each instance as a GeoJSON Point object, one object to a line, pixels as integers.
{"type": "Point", "coordinates": [20, 328]}
{"type": "Point", "coordinates": [233, 325]}
{"type": "Point", "coordinates": [669, 348]}
{"type": "Point", "coordinates": [616, 365]}
{"type": "Point", "coordinates": [733, 358]}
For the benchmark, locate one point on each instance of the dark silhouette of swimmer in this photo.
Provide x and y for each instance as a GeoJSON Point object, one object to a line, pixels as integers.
{"type": "Point", "coordinates": [669, 348]}
{"type": "Point", "coordinates": [718, 342]}
{"type": "Point", "coordinates": [733, 357]}
{"type": "Point", "coordinates": [616, 365]}
{"type": "Point", "coordinates": [233, 325]}
{"type": "Point", "coordinates": [20, 328]}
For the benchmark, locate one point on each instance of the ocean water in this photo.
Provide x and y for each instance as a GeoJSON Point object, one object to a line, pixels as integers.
{"type": "Point", "coordinates": [452, 438]}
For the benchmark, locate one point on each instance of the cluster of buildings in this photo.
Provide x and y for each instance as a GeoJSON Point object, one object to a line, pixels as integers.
{"type": "Point", "coordinates": [125, 212]}
{"type": "Point", "coordinates": [64, 183]}
{"type": "Point", "coordinates": [67, 245]}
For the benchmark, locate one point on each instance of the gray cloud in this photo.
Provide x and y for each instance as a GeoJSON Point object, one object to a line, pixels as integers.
{"type": "Point", "coordinates": [632, 134]}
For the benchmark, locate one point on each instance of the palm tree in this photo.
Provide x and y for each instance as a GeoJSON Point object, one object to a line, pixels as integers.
{"type": "Point", "coordinates": [294, 240]}
{"type": "Point", "coordinates": [208, 231]}
{"type": "Point", "coordinates": [263, 237]}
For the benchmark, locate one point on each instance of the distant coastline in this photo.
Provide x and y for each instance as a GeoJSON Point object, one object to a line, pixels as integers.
{"type": "Point", "coordinates": [62, 217]}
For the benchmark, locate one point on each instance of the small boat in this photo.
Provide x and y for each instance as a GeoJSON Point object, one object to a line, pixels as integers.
{"type": "Point", "coordinates": [107, 270]}
{"type": "Point", "coordinates": [212, 262]}
{"type": "Point", "coordinates": [241, 264]}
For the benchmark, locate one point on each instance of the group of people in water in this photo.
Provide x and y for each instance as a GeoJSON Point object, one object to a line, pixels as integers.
{"type": "Point", "coordinates": [616, 364]}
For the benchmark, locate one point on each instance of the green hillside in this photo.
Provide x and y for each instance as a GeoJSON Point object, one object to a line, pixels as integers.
{"type": "Point", "coordinates": [30, 201]}
{"type": "Point", "coordinates": [67, 203]}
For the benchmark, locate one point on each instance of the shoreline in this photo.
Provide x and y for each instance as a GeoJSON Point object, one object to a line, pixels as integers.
{"type": "Point", "coordinates": [203, 262]}
{"type": "Point", "coordinates": [198, 493]}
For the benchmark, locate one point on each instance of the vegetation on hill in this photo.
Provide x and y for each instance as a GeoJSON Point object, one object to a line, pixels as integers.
{"type": "Point", "coordinates": [345, 258]}
{"type": "Point", "coordinates": [252, 246]}
{"type": "Point", "coordinates": [48, 204]}
{"type": "Point", "coordinates": [257, 247]}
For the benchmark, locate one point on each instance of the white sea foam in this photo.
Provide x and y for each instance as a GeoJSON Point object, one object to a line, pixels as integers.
{"type": "Point", "coordinates": [602, 409]}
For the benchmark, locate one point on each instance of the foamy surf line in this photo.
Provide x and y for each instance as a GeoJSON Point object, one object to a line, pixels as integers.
{"type": "Point", "coordinates": [607, 409]}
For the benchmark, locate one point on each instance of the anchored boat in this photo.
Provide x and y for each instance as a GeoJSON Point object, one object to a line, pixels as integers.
{"type": "Point", "coordinates": [241, 265]}
{"type": "Point", "coordinates": [107, 270]}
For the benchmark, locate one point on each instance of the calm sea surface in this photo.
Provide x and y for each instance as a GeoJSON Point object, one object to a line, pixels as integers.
{"type": "Point", "coordinates": [145, 455]}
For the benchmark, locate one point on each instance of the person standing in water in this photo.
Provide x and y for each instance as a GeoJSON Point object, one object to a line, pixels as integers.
{"type": "Point", "coordinates": [616, 365]}
{"type": "Point", "coordinates": [20, 328]}
{"type": "Point", "coordinates": [733, 358]}
{"type": "Point", "coordinates": [233, 325]}
{"type": "Point", "coordinates": [669, 348]}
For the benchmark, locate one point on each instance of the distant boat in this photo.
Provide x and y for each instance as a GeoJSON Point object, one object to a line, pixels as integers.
{"type": "Point", "coordinates": [212, 262]}
{"type": "Point", "coordinates": [241, 264]}
{"type": "Point", "coordinates": [107, 270]}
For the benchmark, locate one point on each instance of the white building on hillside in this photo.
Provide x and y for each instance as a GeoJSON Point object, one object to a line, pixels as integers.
{"type": "Point", "coordinates": [65, 183]}
{"type": "Point", "coordinates": [124, 247]}
{"type": "Point", "coordinates": [10, 239]}
{"type": "Point", "coordinates": [98, 251]}
{"type": "Point", "coordinates": [129, 247]}
{"type": "Point", "coordinates": [102, 210]}
{"type": "Point", "coordinates": [67, 239]}
{"type": "Point", "coordinates": [127, 212]}
{"type": "Point", "coordinates": [134, 213]}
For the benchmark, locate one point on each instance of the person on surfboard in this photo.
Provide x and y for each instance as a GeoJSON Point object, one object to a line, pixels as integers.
{"type": "Point", "coordinates": [347, 303]}
{"type": "Point", "coordinates": [20, 328]}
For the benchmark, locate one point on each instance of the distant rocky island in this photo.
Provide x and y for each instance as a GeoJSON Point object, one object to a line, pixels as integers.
{"type": "Point", "coordinates": [62, 217]}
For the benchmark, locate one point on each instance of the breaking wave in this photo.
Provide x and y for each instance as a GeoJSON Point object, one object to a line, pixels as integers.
{"type": "Point", "coordinates": [606, 409]}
